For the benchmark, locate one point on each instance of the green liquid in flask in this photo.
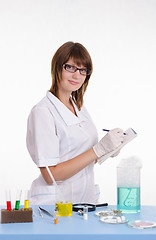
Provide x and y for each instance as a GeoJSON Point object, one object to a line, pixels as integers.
{"type": "Point", "coordinates": [128, 199]}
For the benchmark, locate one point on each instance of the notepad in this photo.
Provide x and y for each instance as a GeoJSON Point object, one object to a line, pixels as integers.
{"type": "Point", "coordinates": [130, 135]}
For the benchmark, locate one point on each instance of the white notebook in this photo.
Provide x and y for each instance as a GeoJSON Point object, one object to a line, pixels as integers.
{"type": "Point", "coordinates": [130, 135]}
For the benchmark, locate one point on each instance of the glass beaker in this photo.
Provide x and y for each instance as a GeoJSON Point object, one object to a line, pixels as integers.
{"type": "Point", "coordinates": [63, 198]}
{"type": "Point", "coordinates": [128, 185]}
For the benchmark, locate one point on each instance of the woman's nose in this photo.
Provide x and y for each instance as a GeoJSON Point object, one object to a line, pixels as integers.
{"type": "Point", "coordinates": [76, 74]}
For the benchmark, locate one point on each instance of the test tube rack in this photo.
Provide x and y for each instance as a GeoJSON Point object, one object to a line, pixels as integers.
{"type": "Point", "coordinates": [16, 216]}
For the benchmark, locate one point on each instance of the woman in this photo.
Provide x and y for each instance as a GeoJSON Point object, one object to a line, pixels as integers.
{"type": "Point", "coordinates": [61, 134]}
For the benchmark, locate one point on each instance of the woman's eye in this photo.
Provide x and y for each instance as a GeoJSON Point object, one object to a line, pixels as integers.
{"type": "Point", "coordinates": [70, 67]}
{"type": "Point", "coordinates": [83, 70]}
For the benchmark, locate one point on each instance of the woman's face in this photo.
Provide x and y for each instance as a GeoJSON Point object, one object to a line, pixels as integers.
{"type": "Point", "coordinates": [71, 81]}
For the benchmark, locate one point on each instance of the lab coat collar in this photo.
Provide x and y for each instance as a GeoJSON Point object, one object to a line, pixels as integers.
{"type": "Point", "coordinates": [68, 117]}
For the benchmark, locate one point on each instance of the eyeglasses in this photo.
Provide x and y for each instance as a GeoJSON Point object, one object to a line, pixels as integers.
{"type": "Point", "coordinates": [72, 69]}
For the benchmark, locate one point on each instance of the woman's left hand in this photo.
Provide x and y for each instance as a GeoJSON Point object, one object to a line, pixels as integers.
{"type": "Point", "coordinates": [115, 154]}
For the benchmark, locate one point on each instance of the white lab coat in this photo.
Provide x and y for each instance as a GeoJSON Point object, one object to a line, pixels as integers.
{"type": "Point", "coordinates": [55, 135]}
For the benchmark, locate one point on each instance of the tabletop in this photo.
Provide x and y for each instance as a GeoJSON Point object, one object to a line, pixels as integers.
{"type": "Point", "coordinates": [75, 227]}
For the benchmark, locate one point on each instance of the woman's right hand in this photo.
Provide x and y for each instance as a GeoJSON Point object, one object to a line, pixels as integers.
{"type": "Point", "coordinates": [112, 140]}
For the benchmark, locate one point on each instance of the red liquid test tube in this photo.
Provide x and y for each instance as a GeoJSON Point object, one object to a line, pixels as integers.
{"type": "Point", "coordinates": [8, 200]}
{"type": "Point", "coordinates": [9, 205]}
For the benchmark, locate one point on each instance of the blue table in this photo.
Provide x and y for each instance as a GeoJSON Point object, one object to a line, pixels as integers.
{"type": "Point", "coordinates": [74, 227]}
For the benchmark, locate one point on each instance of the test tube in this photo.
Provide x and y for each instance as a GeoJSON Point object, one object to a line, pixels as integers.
{"type": "Point", "coordinates": [85, 212]}
{"type": "Point", "coordinates": [56, 216]}
{"type": "Point", "coordinates": [18, 198]}
{"type": "Point", "coordinates": [26, 201]}
{"type": "Point", "coordinates": [8, 200]}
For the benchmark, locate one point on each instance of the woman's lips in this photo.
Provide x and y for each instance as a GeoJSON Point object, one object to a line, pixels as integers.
{"type": "Point", "coordinates": [73, 82]}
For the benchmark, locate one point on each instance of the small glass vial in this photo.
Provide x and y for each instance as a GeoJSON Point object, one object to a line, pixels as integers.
{"type": "Point", "coordinates": [56, 216]}
{"type": "Point", "coordinates": [85, 212]}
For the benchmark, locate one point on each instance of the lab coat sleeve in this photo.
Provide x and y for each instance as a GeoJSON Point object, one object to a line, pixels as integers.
{"type": "Point", "coordinates": [42, 141]}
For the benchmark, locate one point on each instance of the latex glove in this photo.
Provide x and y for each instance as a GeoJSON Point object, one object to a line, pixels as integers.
{"type": "Point", "coordinates": [115, 154]}
{"type": "Point", "coordinates": [112, 140]}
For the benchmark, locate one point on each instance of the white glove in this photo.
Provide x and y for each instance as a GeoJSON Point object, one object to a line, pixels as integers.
{"type": "Point", "coordinates": [129, 135]}
{"type": "Point", "coordinates": [112, 140]}
{"type": "Point", "coordinates": [115, 154]}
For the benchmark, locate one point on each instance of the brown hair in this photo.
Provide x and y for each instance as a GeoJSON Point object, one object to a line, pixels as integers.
{"type": "Point", "coordinates": [80, 56]}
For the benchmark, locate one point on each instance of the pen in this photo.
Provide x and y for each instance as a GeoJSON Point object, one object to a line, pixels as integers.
{"type": "Point", "coordinates": [109, 130]}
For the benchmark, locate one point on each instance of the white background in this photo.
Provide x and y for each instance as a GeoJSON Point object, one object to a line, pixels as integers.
{"type": "Point", "coordinates": [121, 38]}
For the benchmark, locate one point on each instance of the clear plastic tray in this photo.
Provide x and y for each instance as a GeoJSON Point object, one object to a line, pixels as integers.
{"type": "Point", "coordinates": [106, 213]}
{"type": "Point", "coordinates": [103, 213]}
{"type": "Point", "coordinates": [114, 219]}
